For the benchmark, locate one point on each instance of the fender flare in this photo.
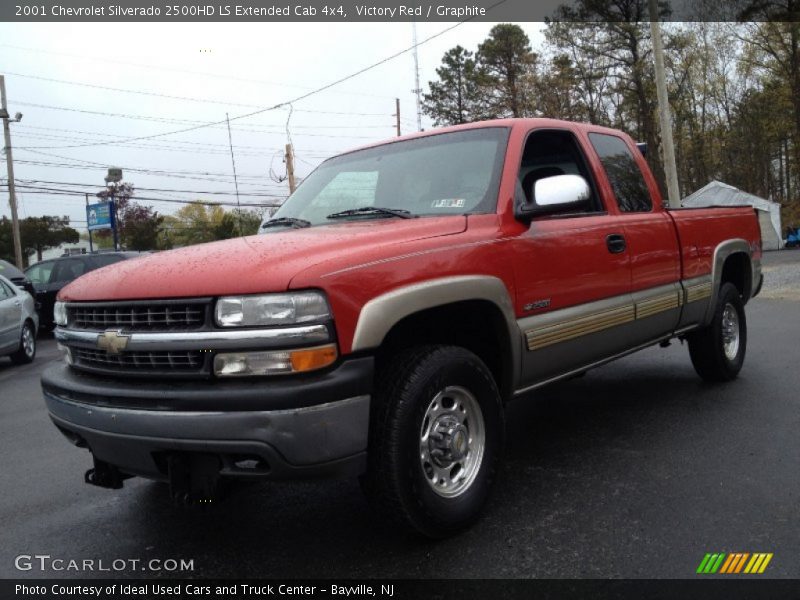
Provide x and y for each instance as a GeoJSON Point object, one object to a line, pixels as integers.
{"type": "Point", "coordinates": [379, 315]}
{"type": "Point", "coordinates": [721, 253]}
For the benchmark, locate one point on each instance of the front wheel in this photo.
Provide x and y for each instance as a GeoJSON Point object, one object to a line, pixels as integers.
{"type": "Point", "coordinates": [27, 346]}
{"type": "Point", "coordinates": [435, 440]}
{"type": "Point", "coordinates": [718, 350]}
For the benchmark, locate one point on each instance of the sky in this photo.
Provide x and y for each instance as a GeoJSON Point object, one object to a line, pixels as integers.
{"type": "Point", "coordinates": [180, 75]}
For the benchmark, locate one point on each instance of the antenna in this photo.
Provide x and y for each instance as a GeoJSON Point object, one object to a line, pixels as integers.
{"type": "Point", "coordinates": [417, 89]}
{"type": "Point", "coordinates": [235, 179]}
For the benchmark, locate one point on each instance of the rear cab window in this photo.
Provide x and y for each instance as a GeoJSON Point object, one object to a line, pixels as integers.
{"type": "Point", "coordinates": [623, 172]}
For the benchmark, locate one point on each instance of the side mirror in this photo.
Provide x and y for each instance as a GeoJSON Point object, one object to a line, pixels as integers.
{"type": "Point", "coordinates": [555, 194]}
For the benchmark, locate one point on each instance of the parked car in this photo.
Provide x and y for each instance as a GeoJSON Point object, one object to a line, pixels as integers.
{"type": "Point", "coordinates": [49, 276]}
{"type": "Point", "coordinates": [16, 277]}
{"type": "Point", "coordinates": [397, 301]}
{"type": "Point", "coordinates": [18, 323]}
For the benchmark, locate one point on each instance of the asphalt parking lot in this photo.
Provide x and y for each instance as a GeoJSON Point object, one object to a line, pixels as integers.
{"type": "Point", "coordinates": [636, 470]}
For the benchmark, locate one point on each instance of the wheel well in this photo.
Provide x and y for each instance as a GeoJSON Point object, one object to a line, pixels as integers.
{"type": "Point", "coordinates": [477, 325]}
{"type": "Point", "coordinates": [736, 270]}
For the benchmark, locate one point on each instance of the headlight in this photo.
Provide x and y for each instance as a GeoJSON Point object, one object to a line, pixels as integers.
{"type": "Point", "coordinates": [271, 309]}
{"type": "Point", "coordinates": [60, 313]}
{"type": "Point", "coordinates": [240, 364]}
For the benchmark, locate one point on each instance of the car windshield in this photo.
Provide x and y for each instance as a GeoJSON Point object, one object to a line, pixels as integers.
{"type": "Point", "coordinates": [446, 174]}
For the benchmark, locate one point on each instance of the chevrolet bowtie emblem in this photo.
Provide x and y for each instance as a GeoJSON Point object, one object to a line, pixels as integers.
{"type": "Point", "coordinates": [112, 341]}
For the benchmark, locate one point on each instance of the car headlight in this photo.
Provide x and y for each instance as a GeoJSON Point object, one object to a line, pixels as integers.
{"type": "Point", "coordinates": [60, 313]}
{"type": "Point", "coordinates": [271, 309]}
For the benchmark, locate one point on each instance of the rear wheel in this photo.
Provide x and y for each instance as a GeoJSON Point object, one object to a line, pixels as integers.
{"type": "Point", "coordinates": [435, 440]}
{"type": "Point", "coordinates": [718, 350]}
{"type": "Point", "coordinates": [27, 345]}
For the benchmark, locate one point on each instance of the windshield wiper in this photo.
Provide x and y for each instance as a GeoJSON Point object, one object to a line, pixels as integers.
{"type": "Point", "coordinates": [288, 221]}
{"type": "Point", "coordinates": [372, 210]}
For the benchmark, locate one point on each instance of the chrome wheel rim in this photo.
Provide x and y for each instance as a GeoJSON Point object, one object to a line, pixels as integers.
{"type": "Point", "coordinates": [28, 343]}
{"type": "Point", "coordinates": [730, 331]}
{"type": "Point", "coordinates": [452, 441]}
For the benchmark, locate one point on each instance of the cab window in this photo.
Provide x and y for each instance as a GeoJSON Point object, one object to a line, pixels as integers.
{"type": "Point", "coordinates": [623, 173]}
{"type": "Point", "coordinates": [552, 152]}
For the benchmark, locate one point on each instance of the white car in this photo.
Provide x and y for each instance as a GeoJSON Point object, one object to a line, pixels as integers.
{"type": "Point", "coordinates": [18, 323]}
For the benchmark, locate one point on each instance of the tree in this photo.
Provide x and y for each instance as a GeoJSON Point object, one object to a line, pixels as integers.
{"type": "Point", "coordinates": [621, 38]}
{"type": "Point", "coordinates": [197, 223]}
{"type": "Point", "coordinates": [505, 59]}
{"type": "Point", "coordinates": [139, 227]}
{"type": "Point", "coordinates": [36, 235]}
{"type": "Point", "coordinates": [455, 98]}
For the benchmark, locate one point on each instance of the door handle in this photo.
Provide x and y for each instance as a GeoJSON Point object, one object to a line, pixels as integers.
{"type": "Point", "coordinates": [616, 243]}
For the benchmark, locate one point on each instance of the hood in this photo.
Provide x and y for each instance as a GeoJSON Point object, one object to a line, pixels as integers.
{"type": "Point", "coordinates": [254, 264]}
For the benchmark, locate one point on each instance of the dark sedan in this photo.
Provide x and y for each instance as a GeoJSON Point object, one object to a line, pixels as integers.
{"type": "Point", "coordinates": [49, 276]}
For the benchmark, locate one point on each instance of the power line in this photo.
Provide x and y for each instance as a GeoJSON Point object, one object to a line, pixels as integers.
{"type": "Point", "coordinates": [147, 189]}
{"type": "Point", "coordinates": [146, 172]}
{"type": "Point", "coordinates": [190, 121]}
{"type": "Point", "coordinates": [270, 108]}
{"type": "Point", "coordinates": [81, 195]}
{"type": "Point", "coordinates": [273, 132]}
{"type": "Point", "coordinates": [177, 70]}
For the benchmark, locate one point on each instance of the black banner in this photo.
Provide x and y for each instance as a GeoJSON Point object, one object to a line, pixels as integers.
{"type": "Point", "coordinates": [387, 10]}
{"type": "Point", "coordinates": [108, 589]}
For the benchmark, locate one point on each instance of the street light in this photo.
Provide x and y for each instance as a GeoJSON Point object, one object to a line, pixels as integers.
{"type": "Point", "coordinates": [12, 197]}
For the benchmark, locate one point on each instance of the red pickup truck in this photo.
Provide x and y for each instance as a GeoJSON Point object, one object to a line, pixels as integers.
{"type": "Point", "coordinates": [388, 312]}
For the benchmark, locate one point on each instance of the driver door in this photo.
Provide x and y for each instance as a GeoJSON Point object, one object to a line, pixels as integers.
{"type": "Point", "coordinates": [573, 270]}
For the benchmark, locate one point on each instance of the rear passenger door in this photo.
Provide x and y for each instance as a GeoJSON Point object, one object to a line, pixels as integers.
{"type": "Point", "coordinates": [650, 237]}
{"type": "Point", "coordinates": [573, 276]}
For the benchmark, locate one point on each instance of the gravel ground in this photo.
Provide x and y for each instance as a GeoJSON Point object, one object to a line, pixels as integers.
{"type": "Point", "coordinates": [781, 270]}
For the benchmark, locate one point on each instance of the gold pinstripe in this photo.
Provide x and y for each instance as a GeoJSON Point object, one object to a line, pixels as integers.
{"type": "Point", "coordinates": [560, 332]}
{"type": "Point", "coordinates": [698, 291]}
{"type": "Point", "coordinates": [563, 331]}
{"type": "Point", "coordinates": [657, 304]}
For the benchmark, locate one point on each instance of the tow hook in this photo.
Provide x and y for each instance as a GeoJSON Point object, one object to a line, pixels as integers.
{"type": "Point", "coordinates": [105, 475]}
{"type": "Point", "coordinates": [193, 478]}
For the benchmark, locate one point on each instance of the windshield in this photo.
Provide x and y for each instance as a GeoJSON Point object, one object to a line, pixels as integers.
{"type": "Point", "coordinates": [446, 174]}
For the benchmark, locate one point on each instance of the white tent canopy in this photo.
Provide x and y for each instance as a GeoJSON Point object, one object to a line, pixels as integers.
{"type": "Point", "coordinates": [717, 193]}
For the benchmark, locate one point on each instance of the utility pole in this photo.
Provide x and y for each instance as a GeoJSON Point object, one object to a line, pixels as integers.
{"type": "Point", "coordinates": [665, 118]}
{"type": "Point", "coordinates": [12, 196]}
{"type": "Point", "coordinates": [91, 242]}
{"type": "Point", "coordinates": [290, 167]}
{"type": "Point", "coordinates": [397, 115]}
{"type": "Point", "coordinates": [113, 209]}
{"type": "Point", "coordinates": [417, 88]}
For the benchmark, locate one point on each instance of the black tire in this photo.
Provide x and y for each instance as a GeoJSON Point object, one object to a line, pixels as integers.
{"type": "Point", "coordinates": [707, 345]}
{"type": "Point", "coordinates": [24, 353]}
{"type": "Point", "coordinates": [396, 482]}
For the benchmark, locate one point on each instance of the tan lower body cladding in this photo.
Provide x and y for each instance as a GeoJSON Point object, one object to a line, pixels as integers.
{"type": "Point", "coordinates": [599, 318]}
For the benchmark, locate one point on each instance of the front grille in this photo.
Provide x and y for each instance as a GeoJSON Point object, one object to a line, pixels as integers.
{"type": "Point", "coordinates": [192, 361]}
{"type": "Point", "coordinates": [161, 316]}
